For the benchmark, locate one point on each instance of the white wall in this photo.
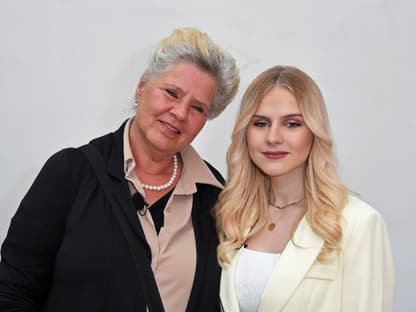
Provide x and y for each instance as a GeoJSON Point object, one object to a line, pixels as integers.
{"type": "Point", "coordinates": [68, 70]}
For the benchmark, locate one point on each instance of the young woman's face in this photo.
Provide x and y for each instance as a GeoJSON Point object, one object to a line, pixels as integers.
{"type": "Point", "coordinates": [173, 107]}
{"type": "Point", "coordinates": [278, 140]}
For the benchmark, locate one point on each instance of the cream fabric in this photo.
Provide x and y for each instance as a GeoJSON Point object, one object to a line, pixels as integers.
{"type": "Point", "coordinates": [359, 279]}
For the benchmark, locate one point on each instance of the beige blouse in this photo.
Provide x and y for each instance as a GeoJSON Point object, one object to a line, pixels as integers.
{"type": "Point", "coordinates": [173, 250]}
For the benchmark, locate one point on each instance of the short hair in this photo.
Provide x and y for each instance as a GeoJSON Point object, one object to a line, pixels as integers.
{"type": "Point", "coordinates": [193, 46]}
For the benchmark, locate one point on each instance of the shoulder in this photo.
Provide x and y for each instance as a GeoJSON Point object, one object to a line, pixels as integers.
{"type": "Point", "coordinates": [105, 144]}
{"type": "Point", "coordinates": [64, 159]}
{"type": "Point", "coordinates": [197, 171]}
{"type": "Point", "coordinates": [71, 164]}
{"type": "Point", "coordinates": [359, 218]}
{"type": "Point", "coordinates": [55, 185]}
{"type": "Point", "coordinates": [74, 156]}
{"type": "Point", "coordinates": [62, 171]}
{"type": "Point", "coordinates": [215, 172]}
{"type": "Point", "coordinates": [358, 209]}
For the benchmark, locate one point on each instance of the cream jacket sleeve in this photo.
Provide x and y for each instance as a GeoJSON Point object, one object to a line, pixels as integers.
{"type": "Point", "coordinates": [368, 277]}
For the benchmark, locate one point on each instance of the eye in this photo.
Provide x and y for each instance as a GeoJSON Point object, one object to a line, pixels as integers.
{"type": "Point", "coordinates": [198, 108]}
{"type": "Point", "coordinates": [261, 123]}
{"type": "Point", "coordinates": [293, 124]}
{"type": "Point", "coordinates": [172, 93]}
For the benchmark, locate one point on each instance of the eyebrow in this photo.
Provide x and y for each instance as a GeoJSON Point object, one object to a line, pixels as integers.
{"type": "Point", "coordinates": [173, 86]}
{"type": "Point", "coordinates": [169, 85]}
{"type": "Point", "coordinates": [285, 116]}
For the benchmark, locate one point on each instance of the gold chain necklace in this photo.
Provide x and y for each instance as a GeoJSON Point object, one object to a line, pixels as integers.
{"type": "Point", "coordinates": [287, 205]}
{"type": "Point", "coordinates": [272, 224]}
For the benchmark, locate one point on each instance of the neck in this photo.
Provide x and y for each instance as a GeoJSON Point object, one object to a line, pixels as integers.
{"type": "Point", "coordinates": [287, 188]}
{"type": "Point", "coordinates": [148, 160]}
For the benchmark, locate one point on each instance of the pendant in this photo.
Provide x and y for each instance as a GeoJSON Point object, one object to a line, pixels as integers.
{"type": "Point", "coordinates": [271, 226]}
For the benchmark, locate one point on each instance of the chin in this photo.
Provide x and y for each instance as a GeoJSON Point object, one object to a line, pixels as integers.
{"type": "Point", "coordinates": [273, 173]}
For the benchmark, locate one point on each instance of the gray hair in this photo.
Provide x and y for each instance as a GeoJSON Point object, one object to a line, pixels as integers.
{"type": "Point", "coordinates": [194, 46]}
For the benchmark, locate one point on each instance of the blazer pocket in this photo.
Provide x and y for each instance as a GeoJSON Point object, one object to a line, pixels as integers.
{"type": "Point", "coordinates": [322, 271]}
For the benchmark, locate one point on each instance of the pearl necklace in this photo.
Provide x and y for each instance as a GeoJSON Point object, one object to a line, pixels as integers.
{"type": "Point", "coordinates": [167, 184]}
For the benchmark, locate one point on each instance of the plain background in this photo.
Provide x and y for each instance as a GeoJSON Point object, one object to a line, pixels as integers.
{"type": "Point", "coordinates": [68, 72]}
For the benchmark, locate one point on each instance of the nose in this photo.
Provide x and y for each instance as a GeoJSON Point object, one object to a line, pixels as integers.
{"type": "Point", "coordinates": [180, 110]}
{"type": "Point", "coordinates": [274, 135]}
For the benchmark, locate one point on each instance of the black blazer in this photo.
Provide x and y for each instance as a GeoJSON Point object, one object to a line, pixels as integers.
{"type": "Point", "coordinates": [65, 251]}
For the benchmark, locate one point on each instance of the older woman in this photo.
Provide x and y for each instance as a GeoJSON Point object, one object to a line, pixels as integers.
{"type": "Point", "coordinates": [67, 247]}
{"type": "Point", "coordinates": [292, 237]}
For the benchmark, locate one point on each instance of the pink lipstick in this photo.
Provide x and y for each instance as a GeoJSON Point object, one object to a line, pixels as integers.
{"type": "Point", "coordinates": [275, 155]}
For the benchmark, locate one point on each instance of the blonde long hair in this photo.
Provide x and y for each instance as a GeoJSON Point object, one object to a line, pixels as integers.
{"type": "Point", "coordinates": [243, 203]}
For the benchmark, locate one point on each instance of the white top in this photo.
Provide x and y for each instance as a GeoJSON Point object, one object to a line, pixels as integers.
{"type": "Point", "coordinates": [252, 273]}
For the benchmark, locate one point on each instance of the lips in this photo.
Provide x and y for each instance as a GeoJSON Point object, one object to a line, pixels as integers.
{"type": "Point", "coordinates": [275, 155]}
{"type": "Point", "coordinates": [170, 127]}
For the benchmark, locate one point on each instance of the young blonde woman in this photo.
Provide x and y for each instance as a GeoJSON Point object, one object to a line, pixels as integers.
{"type": "Point", "coordinates": [292, 237]}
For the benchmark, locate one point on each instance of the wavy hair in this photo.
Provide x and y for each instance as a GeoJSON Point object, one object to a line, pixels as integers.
{"type": "Point", "coordinates": [193, 46]}
{"type": "Point", "coordinates": [243, 203]}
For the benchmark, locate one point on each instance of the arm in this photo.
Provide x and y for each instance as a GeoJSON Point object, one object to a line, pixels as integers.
{"type": "Point", "coordinates": [368, 282]}
{"type": "Point", "coordinates": [28, 252]}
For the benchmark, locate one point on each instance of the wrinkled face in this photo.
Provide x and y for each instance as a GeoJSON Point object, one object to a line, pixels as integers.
{"type": "Point", "coordinates": [278, 140]}
{"type": "Point", "coordinates": [173, 107]}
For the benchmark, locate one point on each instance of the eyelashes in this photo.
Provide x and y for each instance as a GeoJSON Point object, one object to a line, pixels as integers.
{"type": "Point", "coordinates": [174, 94]}
{"type": "Point", "coordinates": [287, 124]}
{"type": "Point", "coordinates": [198, 108]}
{"type": "Point", "coordinates": [293, 124]}
{"type": "Point", "coordinates": [261, 124]}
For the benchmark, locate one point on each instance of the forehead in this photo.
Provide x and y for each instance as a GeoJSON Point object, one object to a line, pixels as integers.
{"type": "Point", "coordinates": [278, 100]}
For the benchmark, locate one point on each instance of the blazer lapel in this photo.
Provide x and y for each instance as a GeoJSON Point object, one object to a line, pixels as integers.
{"type": "Point", "coordinates": [111, 147]}
{"type": "Point", "coordinates": [291, 267]}
{"type": "Point", "coordinates": [204, 230]}
{"type": "Point", "coordinates": [125, 203]}
{"type": "Point", "coordinates": [228, 292]}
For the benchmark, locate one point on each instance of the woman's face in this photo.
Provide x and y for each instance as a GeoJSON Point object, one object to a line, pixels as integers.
{"type": "Point", "coordinates": [278, 140]}
{"type": "Point", "coordinates": [173, 107]}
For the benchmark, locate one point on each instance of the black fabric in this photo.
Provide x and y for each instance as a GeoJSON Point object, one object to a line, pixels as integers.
{"type": "Point", "coordinates": [65, 251]}
{"type": "Point", "coordinates": [156, 209]}
{"type": "Point", "coordinates": [140, 203]}
{"type": "Point", "coordinates": [143, 265]}
{"type": "Point", "coordinates": [215, 172]}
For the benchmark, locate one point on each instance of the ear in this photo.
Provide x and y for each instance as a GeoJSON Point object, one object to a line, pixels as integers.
{"type": "Point", "coordinates": [139, 89]}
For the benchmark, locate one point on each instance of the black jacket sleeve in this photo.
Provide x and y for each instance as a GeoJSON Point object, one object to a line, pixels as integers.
{"type": "Point", "coordinates": [33, 238]}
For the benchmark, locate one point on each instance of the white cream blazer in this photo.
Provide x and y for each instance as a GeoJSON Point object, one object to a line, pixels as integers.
{"type": "Point", "coordinates": [360, 278]}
